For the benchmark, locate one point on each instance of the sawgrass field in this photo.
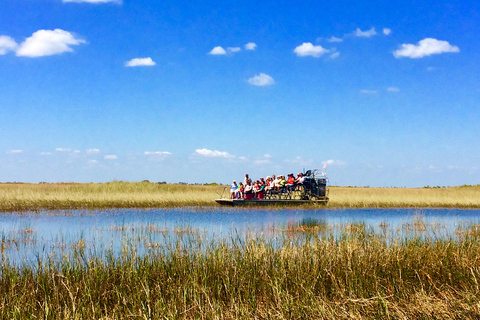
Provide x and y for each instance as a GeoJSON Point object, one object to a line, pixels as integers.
{"type": "Point", "coordinates": [117, 194]}
{"type": "Point", "coordinates": [303, 272]}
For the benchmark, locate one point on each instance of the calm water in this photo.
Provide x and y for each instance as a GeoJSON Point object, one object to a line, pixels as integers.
{"type": "Point", "coordinates": [27, 237]}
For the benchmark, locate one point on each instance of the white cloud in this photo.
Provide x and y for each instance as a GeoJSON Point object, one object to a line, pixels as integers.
{"type": "Point", "coordinates": [334, 39]}
{"type": "Point", "coordinates": [93, 1]}
{"type": "Point", "coordinates": [213, 153]}
{"type": "Point", "coordinates": [335, 55]}
{"type": "Point", "coordinates": [425, 47]}
{"type": "Point", "coordinates": [92, 162]}
{"type": "Point", "coordinates": [15, 151]}
{"type": "Point", "coordinates": [366, 91]}
{"type": "Point", "coordinates": [386, 31]}
{"type": "Point", "coordinates": [93, 151]}
{"type": "Point", "coordinates": [157, 155]}
{"type": "Point", "coordinates": [308, 49]}
{"type": "Point", "coordinates": [45, 153]}
{"type": "Point", "coordinates": [250, 46]}
{"type": "Point", "coordinates": [48, 42]}
{"type": "Point", "coordinates": [331, 162]}
{"type": "Point", "coordinates": [365, 34]}
{"type": "Point", "coordinates": [63, 149]}
{"type": "Point", "coordinates": [431, 69]}
{"type": "Point", "coordinates": [7, 44]}
{"type": "Point", "coordinates": [138, 62]}
{"type": "Point", "coordinates": [266, 160]}
{"type": "Point", "coordinates": [217, 51]}
{"type": "Point", "coordinates": [233, 49]}
{"type": "Point", "coordinates": [261, 80]}
{"type": "Point", "coordinates": [110, 157]}
{"type": "Point", "coordinates": [393, 89]}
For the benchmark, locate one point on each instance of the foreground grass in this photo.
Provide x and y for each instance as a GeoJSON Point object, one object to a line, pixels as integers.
{"type": "Point", "coordinates": [21, 197]}
{"type": "Point", "coordinates": [310, 275]}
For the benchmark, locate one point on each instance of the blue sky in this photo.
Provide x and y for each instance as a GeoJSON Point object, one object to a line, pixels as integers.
{"type": "Point", "coordinates": [384, 93]}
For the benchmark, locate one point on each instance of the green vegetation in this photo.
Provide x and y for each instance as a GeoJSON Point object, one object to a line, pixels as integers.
{"type": "Point", "coordinates": [294, 275]}
{"type": "Point", "coordinates": [24, 196]}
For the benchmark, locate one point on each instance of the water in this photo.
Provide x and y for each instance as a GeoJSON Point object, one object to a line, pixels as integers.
{"type": "Point", "coordinates": [29, 237]}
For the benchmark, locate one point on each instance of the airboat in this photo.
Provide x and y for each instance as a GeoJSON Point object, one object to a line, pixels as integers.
{"type": "Point", "coordinates": [313, 190]}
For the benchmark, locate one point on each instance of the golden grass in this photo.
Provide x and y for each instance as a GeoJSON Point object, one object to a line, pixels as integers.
{"type": "Point", "coordinates": [452, 197]}
{"type": "Point", "coordinates": [21, 197]}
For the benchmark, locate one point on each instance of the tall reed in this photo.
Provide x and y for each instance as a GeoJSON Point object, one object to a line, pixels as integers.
{"type": "Point", "coordinates": [300, 275]}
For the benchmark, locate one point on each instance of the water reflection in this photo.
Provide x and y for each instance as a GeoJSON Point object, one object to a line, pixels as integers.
{"type": "Point", "coordinates": [32, 237]}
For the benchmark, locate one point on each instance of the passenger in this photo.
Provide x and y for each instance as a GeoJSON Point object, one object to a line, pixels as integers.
{"type": "Point", "coordinates": [290, 180]}
{"type": "Point", "coordinates": [300, 178]}
{"type": "Point", "coordinates": [262, 181]}
{"type": "Point", "coordinates": [246, 180]}
{"type": "Point", "coordinates": [282, 181]}
{"type": "Point", "coordinates": [233, 189]}
{"type": "Point", "coordinates": [240, 190]}
{"type": "Point", "coordinates": [260, 190]}
{"type": "Point", "coordinates": [256, 188]}
{"type": "Point", "coordinates": [248, 192]}
{"type": "Point", "coordinates": [276, 183]}
{"type": "Point", "coordinates": [269, 184]}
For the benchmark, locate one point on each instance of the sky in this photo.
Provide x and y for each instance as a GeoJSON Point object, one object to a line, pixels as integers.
{"type": "Point", "coordinates": [375, 93]}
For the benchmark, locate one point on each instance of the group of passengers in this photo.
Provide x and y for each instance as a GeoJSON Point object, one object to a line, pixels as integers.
{"type": "Point", "coordinates": [256, 189]}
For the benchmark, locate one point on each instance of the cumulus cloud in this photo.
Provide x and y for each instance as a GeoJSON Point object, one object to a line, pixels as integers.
{"type": "Point", "coordinates": [213, 153]}
{"type": "Point", "coordinates": [138, 62]}
{"type": "Point", "coordinates": [334, 39]}
{"type": "Point", "coordinates": [393, 89]}
{"type": "Point", "coordinates": [7, 44]}
{"type": "Point", "coordinates": [217, 51]}
{"type": "Point", "coordinates": [308, 49]}
{"type": "Point", "coordinates": [48, 42]}
{"type": "Point", "coordinates": [233, 49]}
{"type": "Point", "coordinates": [386, 31]}
{"type": "Point", "coordinates": [365, 34]}
{"type": "Point", "coordinates": [93, 151]}
{"type": "Point", "coordinates": [335, 55]}
{"type": "Point", "coordinates": [110, 157]}
{"type": "Point", "coordinates": [261, 80]}
{"type": "Point", "coordinates": [15, 151]}
{"type": "Point", "coordinates": [93, 1]}
{"type": "Point", "coordinates": [366, 91]}
{"type": "Point", "coordinates": [425, 47]}
{"type": "Point", "coordinates": [250, 46]}
{"type": "Point", "coordinates": [63, 149]}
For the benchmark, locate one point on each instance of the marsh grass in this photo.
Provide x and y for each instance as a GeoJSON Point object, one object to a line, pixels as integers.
{"type": "Point", "coordinates": [117, 194]}
{"type": "Point", "coordinates": [22, 197]}
{"type": "Point", "coordinates": [359, 275]}
{"type": "Point", "coordinates": [452, 197]}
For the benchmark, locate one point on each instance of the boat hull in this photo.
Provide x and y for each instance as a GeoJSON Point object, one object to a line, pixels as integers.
{"type": "Point", "coordinates": [243, 202]}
